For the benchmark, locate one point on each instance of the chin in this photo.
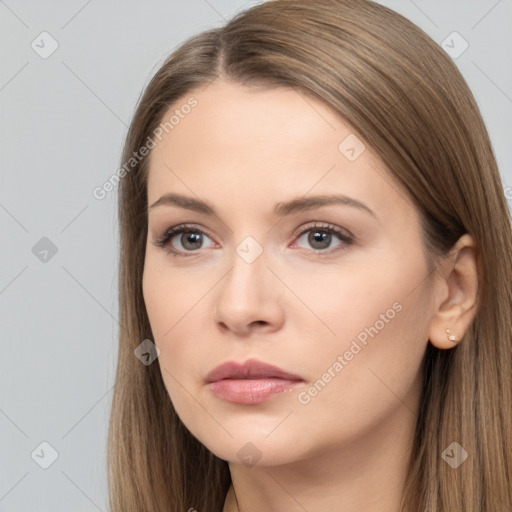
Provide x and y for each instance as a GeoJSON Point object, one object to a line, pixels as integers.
{"type": "Point", "coordinates": [251, 447]}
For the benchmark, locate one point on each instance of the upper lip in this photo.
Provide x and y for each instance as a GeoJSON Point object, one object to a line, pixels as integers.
{"type": "Point", "coordinates": [250, 369]}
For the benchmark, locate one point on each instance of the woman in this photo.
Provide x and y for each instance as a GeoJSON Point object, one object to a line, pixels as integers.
{"type": "Point", "coordinates": [315, 237]}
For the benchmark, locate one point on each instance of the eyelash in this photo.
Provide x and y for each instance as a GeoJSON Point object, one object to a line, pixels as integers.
{"type": "Point", "coordinates": [164, 241]}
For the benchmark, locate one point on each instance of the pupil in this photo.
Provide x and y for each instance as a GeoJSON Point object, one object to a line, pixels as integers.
{"type": "Point", "coordinates": [320, 237]}
{"type": "Point", "coordinates": [192, 240]}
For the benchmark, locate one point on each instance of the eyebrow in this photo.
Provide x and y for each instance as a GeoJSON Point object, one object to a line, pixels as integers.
{"type": "Point", "coordinates": [281, 209]}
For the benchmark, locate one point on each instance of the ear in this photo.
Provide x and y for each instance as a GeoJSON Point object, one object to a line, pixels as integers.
{"type": "Point", "coordinates": [456, 294]}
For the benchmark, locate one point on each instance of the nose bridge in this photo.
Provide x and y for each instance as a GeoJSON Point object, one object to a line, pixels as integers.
{"type": "Point", "coordinates": [246, 295]}
{"type": "Point", "coordinates": [246, 281]}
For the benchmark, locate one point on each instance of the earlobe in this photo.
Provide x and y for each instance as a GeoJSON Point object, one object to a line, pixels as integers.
{"type": "Point", "coordinates": [450, 333]}
{"type": "Point", "coordinates": [454, 312]}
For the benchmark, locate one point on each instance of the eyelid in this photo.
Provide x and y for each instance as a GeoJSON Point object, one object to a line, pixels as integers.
{"type": "Point", "coordinates": [323, 226]}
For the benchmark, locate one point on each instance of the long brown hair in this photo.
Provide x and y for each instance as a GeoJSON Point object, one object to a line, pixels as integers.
{"type": "Point", "coordinates": [407, 100]}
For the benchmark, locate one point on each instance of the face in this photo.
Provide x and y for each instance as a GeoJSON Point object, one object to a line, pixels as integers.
{"type": "Point", "coordinates": [292, 246]}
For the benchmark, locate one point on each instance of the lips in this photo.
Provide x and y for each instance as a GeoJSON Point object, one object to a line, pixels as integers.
{"type": "Point", "coordinates": [252, 382]}
{"type": "Point", "coordinates": [250, 369]}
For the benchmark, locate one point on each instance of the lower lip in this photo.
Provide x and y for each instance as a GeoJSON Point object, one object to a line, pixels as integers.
{"type": "Point", "coordinates": [251, 391]}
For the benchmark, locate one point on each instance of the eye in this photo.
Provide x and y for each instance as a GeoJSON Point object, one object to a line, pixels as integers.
{"type": "Point", "coordinates": [324, 236]}
{"type": "Point", "coordinates": [185, 240]}
{"type": "Point", "coordinates": [182, 239]}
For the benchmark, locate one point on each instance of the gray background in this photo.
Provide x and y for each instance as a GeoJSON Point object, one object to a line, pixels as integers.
{"type": "Point", "coordinates": [63, 120]}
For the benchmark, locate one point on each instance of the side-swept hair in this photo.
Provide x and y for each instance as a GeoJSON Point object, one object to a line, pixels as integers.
{"type": "Point", "coordinates": [407, 100]}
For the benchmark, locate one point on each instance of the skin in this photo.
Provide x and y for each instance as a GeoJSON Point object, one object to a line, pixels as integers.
{"type": "Point", "coordinates": [243, 150]}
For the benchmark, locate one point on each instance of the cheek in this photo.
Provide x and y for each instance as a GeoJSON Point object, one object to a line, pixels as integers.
{"type": "Point", "coordinates": [170, 303]}
{"type": "Point", "coordinates": [175, 306]}
{"type": "Point", "coordinates": [169, 295]}
{"type": "Point", "coordinates": [374, 360]}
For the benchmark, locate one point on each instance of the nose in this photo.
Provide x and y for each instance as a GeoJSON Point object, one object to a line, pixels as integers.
{"type": "Point", "coordinates": [247, 299]}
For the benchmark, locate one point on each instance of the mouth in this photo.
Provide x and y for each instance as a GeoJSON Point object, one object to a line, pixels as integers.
{"type": "Point", "coordinates": [251, 382]}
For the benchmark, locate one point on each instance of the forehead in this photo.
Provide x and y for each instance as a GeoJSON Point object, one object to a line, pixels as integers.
{"type": "Point", "coordinates": [251, 143]}
{"type": "Point", "coordinates": [227, 115]}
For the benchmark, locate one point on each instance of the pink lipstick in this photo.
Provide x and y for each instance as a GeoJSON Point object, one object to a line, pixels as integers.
{"type": "Point", "coordinates": [251, 382]}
